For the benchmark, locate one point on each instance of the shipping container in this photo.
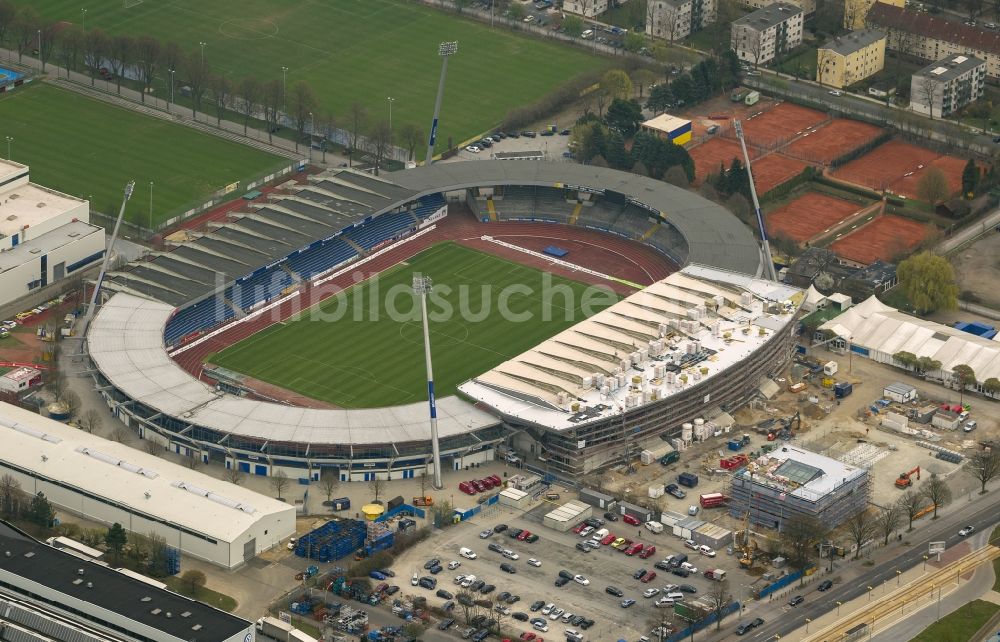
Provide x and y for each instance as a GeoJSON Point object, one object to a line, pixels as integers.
{"type": "Point", "coordinates": [842, 389]}
{"type": "Point", "coordinates": [395, 501]}
{"type": "Point", "coordinates": [597, 499]}
{"type": "Point", "coordinates": [711, 500]}
{"type": "Point", "coordinates": [687, 479]}
{"type": "Point", "coordinates": [752, 98]}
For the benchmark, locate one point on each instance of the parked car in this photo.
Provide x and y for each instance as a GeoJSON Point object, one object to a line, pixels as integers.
{"type": "Point", "coordinates": [485, 534]}
{"type": "Point", "coordinates": [627, 603]}
{"type": "Point", "coordinates": [674, 489]}
{"type": "Point", "coordinates": [533, 562]}
{"type": "Point", "coordinates": [638, 575]}
{"type": "Point", "coordinates": [795, 601]}
{"type": "Point", "coordinates": [825, 585]}
{"type": "Point", "coordinates": [561, 582]}
{"type": "Point", "coordinates": [648, 577]}
{"type": "Point", "coordinates": [580, 579]}
{"type": "Point", "coordinates": [747, 626]}
{"type": "Point", "coordinates": [475, 149]}
{"type": "Point", "coordinates": [628, 519]}
{"type": "Point", "coordinates": [614, 590]}
{"type": "Point", "coordinates": [651, 592]}
{"type": "Point", "coordinates": [523, 535]}
{"type": "Point", "coordinates": [611, 517]}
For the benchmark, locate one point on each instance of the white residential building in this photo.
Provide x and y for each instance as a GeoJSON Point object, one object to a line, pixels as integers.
{"type": "Point", "coordinates": [763, 34]}
{"type": "Point", "coordinates": [677, 19]}
{"type": "Point", "coordinates": [945, 86]}
{"type": "Point", "coordinates": [586, 8]}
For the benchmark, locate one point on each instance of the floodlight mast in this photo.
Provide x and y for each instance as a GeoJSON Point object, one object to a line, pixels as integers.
{"type": "Point", "coordinates": [769, 272]}
{"type": "Point", "coordinates": [422, 287]}
{"type": "Point", "coordinates": [107, 259]}
{"type": "Point", "coordinates": [445, 50]}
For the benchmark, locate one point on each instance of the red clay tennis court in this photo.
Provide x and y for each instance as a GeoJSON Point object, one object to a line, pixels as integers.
{"type": "Point", "coordinates": [780, 124]}
{"type": "Point", "coordinates": [714, 151]}
{"type": "Point", "coordinates": [885, 164]}
{"type": "Point", "coordinates": [833, 140]}
{"type": "Point", "coordinates": [884, 238]}
{"type": "Point", "coordinates": [951, 166]}
{"type": "Point", "coordinates": [773, 170]}
{"type": "Point", "coordinates": [810, 214]}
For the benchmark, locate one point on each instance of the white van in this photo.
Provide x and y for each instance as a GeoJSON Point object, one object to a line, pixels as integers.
{"type": "Point", "coordinates": [600, 534]}
{"type": "Point", "coordinates": [467, 553]}
{"type": "Point", "coordinates": [589, 33]}
{"type": "Point", "coordinates": [676, 596]}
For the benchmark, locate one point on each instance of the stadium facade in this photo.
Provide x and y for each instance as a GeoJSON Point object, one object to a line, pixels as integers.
{"type": "Point", "coordinates": [161, 307]}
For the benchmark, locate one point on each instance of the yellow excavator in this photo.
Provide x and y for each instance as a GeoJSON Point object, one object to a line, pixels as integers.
{"type": "Point", "coordinates": [744, 546]}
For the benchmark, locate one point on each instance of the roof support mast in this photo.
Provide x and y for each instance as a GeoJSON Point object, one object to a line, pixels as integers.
{"type": "Point", "coordinates": [769, 272]}
{"type": "Point", "coordinates": [107, 259]}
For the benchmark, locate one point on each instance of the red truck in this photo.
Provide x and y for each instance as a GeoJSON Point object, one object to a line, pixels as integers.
{"type": "Point", "coordinates": [711, 500]}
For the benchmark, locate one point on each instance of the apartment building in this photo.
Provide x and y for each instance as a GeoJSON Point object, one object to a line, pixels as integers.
{"type": "Point", "coordinates": [848, 59]}
{"type": "Point", "coordinates": [808, 6]}
{"type": "Point", "coordinates": [763, 34]}
{"type": "Point", "coordinates": [856, 11]}
{"type": "Point", "coordinates": [945, 86]}
{"type": "Point", "coordinates": [585, 8]}
{"type": "Point", "coordinates": [677, 19]}
{"type": "Point", "coordinates": [932, 38]}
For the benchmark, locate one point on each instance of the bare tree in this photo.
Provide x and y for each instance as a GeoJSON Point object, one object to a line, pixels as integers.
{"type": "Point", "coordinates": [936, 490]}
{"type": "Point", "coordinates": [358, 116]}
{"type": "Point", "coordinates": [197, 73]}
{"type": "Point", "coordinates": [376, 485]}
{"type": "Point", "coordinates": [234, 475]}
{"type": "Point", "coordinates": [25, 30]}
{"type": "Point", "coordinates": [329, 125]}
{"type": "Point", "coordinates": [96, 44]}
{"type": "Point", "coordinates": [861, 527]}
{"type": "Point", "coordinates": [193, 461]}
{"type": "Point", "coordinates": [90, 421]}
{"type": "Point", "coordinates": [303, 103]}
{"type": "Point", "coordinates": [8, 14]}
{"type": "Point", "coordinates": [380, 143]}
{"type": "Point", "coordinates": [121, 434]}
{"type": "Point", "coordinates": [48, 38]}
{"type": "Point", "coordinates": [69, 44]}
{"type": "Point", "coordinates": [329, 481]}
{"type": "Point", "coordinates": [798, 537]}
{"type": "Point", "coordinates": [57, 385]}
{"type": "Point", "coordinates": [984, 466]}
{"type": "Point", "coordinates": [151, 447]}
{"type": "Point", "coordinates": [424, 482]}
{"type": "Point", "coordinates": [272, 98]}
{"type": "Point", "coordinates": [279, 482]}
{"type": "Point", "coordinates": [221, 90]}
{"type": "Point", "coordinates": [888, 521]}
{"type": "Point", "coordinates": [11, 495]}
{"type": "Point", "coordinates": [410, 136]}
{"type": "Point", "coordinates": [251, 92]}
{"type": "Point", "coordinates": [910, 503]}
{"type": "Point", "coordinates": [72, 402]}
{"type": "Point", "coordinates": [930, 91]}
{"type": "Point", "coordinates": [120, 57]}
{"type": "Point", "coordinates": [719, 596]}
{"type": "Point", "coordinates": [147, 59]}
{"type": "Point", "coordinates": [170, 60]}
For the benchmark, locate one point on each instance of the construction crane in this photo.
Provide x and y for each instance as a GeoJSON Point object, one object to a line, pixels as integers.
{"type": "Point", "coordinates": [745, 547]}
{"type": "Point", "coordinates": [769, 272]}
{"type": "Point", "coordinates": [904, 480]}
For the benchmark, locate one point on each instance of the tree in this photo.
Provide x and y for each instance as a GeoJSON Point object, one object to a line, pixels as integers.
{"type": "Point", "coordinates": [170, 60]}
{"type": "Point", "coordinates": [95, 47]}
{"type": "Point", "coordinates": [984, 466]}
{"type": "Point", "coordinates": [887, 521]}
{"type": "Point", "coordinates": [8, 13]}
{"type": "Point", "coordinates": [928, 281]}
{"type": "Point", "coordinates": [272, 99]}
{"type": "Point", "coordinates": [933, 186]}
{"type": "Point", "coordinates": [11, 495]}
{"type": "Point", "coordinates": [616, 84]}
{"type": "Point", "coordinates": [573, 26]}
{"type": "Point", "coordinates": [90, 421]}
{"type": "Point", "coordinates": [193, 580]}
{"type": "Point", "coordinates": [234, 475]}
{"type": "Point", "coordinates": [410, 136]}
{"type": "Point", "coordinates": [250, 92]}
{"type": "Point", "coordinates": [905, 359]}
{"type": "Point", "coordinates": [515, 12]}
{"type": "Point", "coordinates": [970, 179]}
{"type": "Point", "coordinates": [634, 41]}
{"type": "Point", "coordinates": [719, 597]}
{"type": "Point", "coordinates": [975, 8]}
{"type": "Point", "coordinates": [150, 447]}
{"type": "Point", "coordinates": [643, 78]}
{"type": "Point", "coordinates": [72, 402]}
{"type": "Point", "coordinates": [798, 537]}
{"type": "Point", "coordinates": [40, 511]}
{"type": "Point", "coordinates": [964, 376]}
{"type": "Point", "coordinates": [197, 72]}
{"type": "Point", "coordinates": [48, 39]}
{"type": "Point", "coordinates": [147, 59]}
{"type": "Point", "coordinates": [279, 482]}
{"type": "Point", "coordinates": [661, 98]}
{"type": "Point", "coordinates": [302, 105]}
{"type": "Point", "coordinates": [329, 481]}
{"type": "Point", "coordinates": [25, 30]}
{"type": "Point", "coordinates": [379, 143]}
{"type": "Point", "coordinates": [910, 503]}
{"type": "Point", "coordinates": [927, 364]}
{"type": "Point", "coordinates": [358, 121]}
{"type": "Point", "coordinates": [992, 386]}
{"type": "Point", "coordinates": [861, 527]}
{"type": "Point", "coordinates": [115, 540]}
{"type": "Point", "coordinates": [121, 434]}
{"type": "Point", "coordinates": [624, 116]}
{"type": "Point", "coordinates": [376, 485]}
{"type": "Point", "coordinates": [193, 460]}
{"type": "Point", "coordinates": [221, 90]}
{"type": "Point", "coordinates": [120, 57]}
{"type": "Point", "coordinates": [68, 47]}
{"type": "Point", "coordinates": [936, 490]}
{"type": "Point", "coordinates": [158, 559]}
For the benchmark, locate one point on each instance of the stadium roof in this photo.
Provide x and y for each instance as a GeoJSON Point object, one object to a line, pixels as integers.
{"type": "Point", "coordinates": [873, 325]}
{"type": "Point", "coordinates": [337, 200]}
{"type": "Point", "coordinates": [130, 477]}
{"type": "Point", "coordinates": [682, 321]}
{"type": "Point", "coordinates": [112, 592]}
{"type": "Point", "coordinates": [126, 343]}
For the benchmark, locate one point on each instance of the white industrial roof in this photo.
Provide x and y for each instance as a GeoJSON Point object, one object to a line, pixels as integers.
{"type": "Point", "coordinates": [833, 473]}
{"type": "Point", "coordinates": [130, 477]}
{"type": "Point", "coordinates": [28, 204]}
{"type": "Point", "coordinates": [52, 240]}
{"type": "Point", "coordinates": [872, 324]}
{"type": "Point", "coordinates": [126, 343]}
{"type": "Point", "coordinates": [666, 123]}
{"type": "Point", "coordinates": [554, 383]}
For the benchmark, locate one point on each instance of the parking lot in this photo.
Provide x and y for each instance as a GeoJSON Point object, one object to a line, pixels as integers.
{"type": "Point", "coordinates": [555, 551]}
{"type": "Point", "coordinates": [551, 147]}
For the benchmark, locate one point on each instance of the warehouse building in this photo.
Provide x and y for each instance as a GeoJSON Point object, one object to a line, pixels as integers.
{"type": "Point", "coordinates": [109, 482]}
{"type": "Point", "coordinates": [45, 235]}
{"type": "Point", "coordinates": [49, 594]}
{"type": "Point", "coordinates": [667, 127]}
{"type": "Point", "coordinates": [791, 481]}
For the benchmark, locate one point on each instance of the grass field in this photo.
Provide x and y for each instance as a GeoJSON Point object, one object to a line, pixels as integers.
{"type": "Point", "coordinates": [366, 360]}
{"type": "Point", "coordinates": [90, 149]}
{"type": "Point", "coordinates": [961, 625]}
{"type": "Point", "coordinates": [353, 51]}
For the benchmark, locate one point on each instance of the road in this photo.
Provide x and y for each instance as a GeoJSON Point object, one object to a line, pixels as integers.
{"type": "Point", "coordinates": [981, 513]}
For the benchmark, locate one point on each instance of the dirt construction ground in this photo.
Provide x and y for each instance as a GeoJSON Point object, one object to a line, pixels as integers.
{"type": "Point", "coordinates": [978, 269]}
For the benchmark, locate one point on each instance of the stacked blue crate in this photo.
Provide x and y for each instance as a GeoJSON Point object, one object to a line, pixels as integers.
{"type": "Point", "coordinates": [381, 543]}
{"type": "Point", "coordinates": [332, 541]}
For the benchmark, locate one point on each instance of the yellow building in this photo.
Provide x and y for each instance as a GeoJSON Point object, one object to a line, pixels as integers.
{"type": "Point", "coordinates": [848, 59]}
{"type": "Point", "coordinates": [856, 11]}
{"type": "Point", "coordinates": [676, 130]}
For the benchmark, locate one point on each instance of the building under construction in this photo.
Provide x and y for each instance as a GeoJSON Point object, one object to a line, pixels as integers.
{"type": "Point", "coordinates": [791, 481]}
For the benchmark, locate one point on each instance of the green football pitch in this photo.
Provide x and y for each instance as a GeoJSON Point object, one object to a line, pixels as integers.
{"type": "Point", "coordinates": [90, 149]}
{"type": "Point", "coordinates": [353, 353]}
{"type": "Point", "coordinates": [349, 50]}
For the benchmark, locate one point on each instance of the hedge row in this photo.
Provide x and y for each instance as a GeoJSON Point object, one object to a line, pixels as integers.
{"type": "Point", "coordinates": [861, 151]}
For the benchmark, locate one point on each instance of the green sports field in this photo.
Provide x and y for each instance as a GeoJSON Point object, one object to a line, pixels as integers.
{"type": "Point", "coordinates": [364, 359]}
{"type": "Point", "coordinates": [350, 50]}
{"type": "Point", "coordinates": [90, 149]}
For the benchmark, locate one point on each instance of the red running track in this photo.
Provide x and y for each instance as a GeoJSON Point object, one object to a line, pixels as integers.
{"type": "Point", "coordinates": [605, 253]}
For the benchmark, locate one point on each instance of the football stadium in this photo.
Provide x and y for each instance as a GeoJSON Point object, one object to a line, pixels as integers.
{"type": "Point", "coordinates": [284, 339]}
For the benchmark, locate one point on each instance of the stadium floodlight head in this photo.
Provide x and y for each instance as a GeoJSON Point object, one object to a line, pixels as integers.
{"type": "Point", "coordinates": [422, 286]}
{"type": "Point", "coordinates": [445, 50]}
